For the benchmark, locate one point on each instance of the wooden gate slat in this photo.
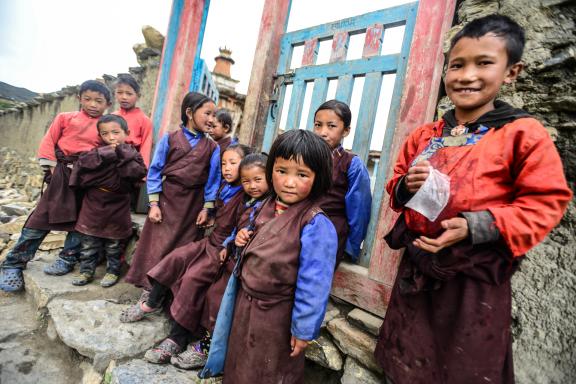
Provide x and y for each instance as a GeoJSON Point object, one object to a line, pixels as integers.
{"type": "Point", "coordinates": [318, 97]}
{"type": "Point", "coordinates": [339, 46]}
{"type": "Point", "coordinates": [296, 104]}
{"type": "Point", "coordinates": [373, 41]}
{"type": "Point", "coordinates": [310, 52]}
{"type": "Point", "coordinates": [344, 88]}
{"type": "Point", "coordinates": [367, 115]}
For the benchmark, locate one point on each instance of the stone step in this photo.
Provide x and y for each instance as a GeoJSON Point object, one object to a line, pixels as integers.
{"type": "Point", "coordinates": [139, 371]}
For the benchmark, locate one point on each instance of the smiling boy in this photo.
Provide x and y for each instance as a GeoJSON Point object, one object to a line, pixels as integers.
{"type": "Point", "coordinates": [449, 316]}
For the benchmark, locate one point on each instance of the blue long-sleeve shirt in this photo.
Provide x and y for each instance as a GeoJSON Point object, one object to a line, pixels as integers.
{"type": "Point", "coordinates": [358, 202]}
{"type": "Point", "coordinates": [250, 204]}
{"type": "Point", "coordinates": [319, 245]}
{"type": "Point", "coordinates": [154, 179]}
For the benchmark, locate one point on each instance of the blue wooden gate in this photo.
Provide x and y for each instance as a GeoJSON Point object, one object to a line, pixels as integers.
{"type": "Point", "coordinates": [311, 82]}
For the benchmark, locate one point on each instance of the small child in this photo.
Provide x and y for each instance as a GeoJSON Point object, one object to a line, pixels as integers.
{"type": "Point", "coordinates": [127, 92]}
{"type": "Point", "coordinates": [69, 134]}
{"type": "Point", "coordinates": [189, 270]}
{"type": "Point", "coordinates": [498, 189]}
{"type": "Point", "coordinates": [183, 182]}
{"type": "Point", "coordinates": [106, 174]}
{"type": "Point", "coordinates": [348, 202]}
{"type": "Point", "coordinates": [287, 267]}
{"type": "Point", "coordinates": [221, 131]}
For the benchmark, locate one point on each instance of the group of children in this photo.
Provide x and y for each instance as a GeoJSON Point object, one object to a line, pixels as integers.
{"type": "Point", "coordinates": [469, 188]}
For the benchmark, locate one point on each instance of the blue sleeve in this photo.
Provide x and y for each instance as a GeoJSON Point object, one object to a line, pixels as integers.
{"type": "Point", "coordinates": [319, 243]}
{"type": "Point", "coordinates": [214, 177]}
{"type": "Point", "coordinates": [154, 179]}
{"type": "Point", "coordinates": [229, 238]}
{"type": "Point", "coordinates": [358, 205]}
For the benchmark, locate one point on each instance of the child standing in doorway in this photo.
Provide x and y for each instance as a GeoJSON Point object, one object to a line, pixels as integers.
{"type": "Point", "coordinates": [477, 190]}
{"type": "Point", "coordinates": [69, 134]}
{"type": "Point", "coordinates": [107, 175]}
{"type": "Point", "coordinates": [287, 267]}
{"type": "Point", "coordinates": [348, 202]}
{"type": "Point", "coordinates": [221, 131]}
{"type": "Point", "coordinates": [183, 182]}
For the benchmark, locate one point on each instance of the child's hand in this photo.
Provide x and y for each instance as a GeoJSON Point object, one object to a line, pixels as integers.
{"type": "Point", "coordinates": [223, 254]}
{"type": "Point", "coordinates": [155, 214]}
{"type": "Point", "coordinates": [456, 230]}
{"type": "Point", "coordinates": [416, 176]}
{"type": "Point", "coordinates": [242, 237]}
{"type": "Point", "coordinates": [202, 218]}
{"type": "Point", "coordinates": [298, 346]}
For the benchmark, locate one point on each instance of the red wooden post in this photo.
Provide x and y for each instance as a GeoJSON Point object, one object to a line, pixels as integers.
{"type": "Point", "coordinates": [272, 27]}
{"type": "Point", "coordinates": [418, 104]}
{"type": "Point", "coordinates": [181, 48]}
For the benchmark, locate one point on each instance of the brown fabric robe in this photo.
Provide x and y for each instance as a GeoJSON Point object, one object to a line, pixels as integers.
{"type": "Point", "coordinates": [448, 320]}
{"type": "Point", "coordinates": [107, 175]}
{"type": "Point", "coordinates": [190, 269]}
{"type": "Point", "coordinates": [334, 203]}
{"type": "Point", "coordinates": [224, 143]}
{"type": "Point", "coordinates": [259, 343]}
{"type": "Point", "coordinates": [58, 207]}
{"type": "Point", "coordinates": [181, 201]}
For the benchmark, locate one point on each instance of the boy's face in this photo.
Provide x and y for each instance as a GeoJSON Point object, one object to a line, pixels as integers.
{"type": "Point", "coordinates": [253, 180]}
{"type": "Point", "coordinates": [126, 96]}
{"type": "Point", "coordinates": [231, 166]}
{"type": "Point", "coordinates": [217, 130]}
{"type": "Point", "coordinates": [477, 68]}
{"type": "Point", "coordinates": [93, 103]}
{"type": "Point", "coordinates": [112, 133]}
{"type": "Point", "coordinates": [292, 180]}
{"type": "Point", "coordinates": [330, 127]}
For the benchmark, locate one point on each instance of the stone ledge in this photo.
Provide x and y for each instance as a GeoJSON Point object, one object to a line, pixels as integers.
{"type": "Point", "coordinates": [139, 371]}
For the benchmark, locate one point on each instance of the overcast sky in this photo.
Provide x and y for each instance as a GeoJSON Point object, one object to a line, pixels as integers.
{"type": "Point", "coordinates": [48, 44]}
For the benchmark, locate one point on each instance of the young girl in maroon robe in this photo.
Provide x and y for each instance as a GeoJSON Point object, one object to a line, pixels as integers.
{"type": "Point", "coordinates": [348, 202]}
{"type": "Point", "coordinates": [222, 129]}
{"type": "Point", "coordinates": [287, 267]}
{"type": "Point", "coordinates": [189, 270]}
{"type": "Point", "coordinates": [182, 182]}
{"type": "Point", "coordinates": [127, 92]}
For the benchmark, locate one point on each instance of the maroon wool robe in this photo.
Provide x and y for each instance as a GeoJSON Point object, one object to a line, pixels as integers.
{"type": "Point", "coordinates": [189, 270]}
{"type": "Point", "coordinates": [107, 175]}
{"type": "Point", "coordinates": [181, 200]}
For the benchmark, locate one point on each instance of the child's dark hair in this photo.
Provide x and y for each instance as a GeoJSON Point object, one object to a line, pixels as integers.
{"type": "Point", "coordinates": [194, 101]}
{"type": "Point", "coordinates": [110, 118]}
{"type": "Point", "coordinates": [341, 109]}
{"type": "Point", "coordinates": [306, 147]}
{"type": "Point", "coordinates": [128, 79]}
{"type": "Point", "coordinates": [499, 25]}
{"type": "Point", "coordinates": [254, 160]}
{"type": "Point", "coordinates": [241, 149]}
{"type": "Point", "coordinates": [225, 118]}
{"type": "Point", "coordinates": [95, 86]}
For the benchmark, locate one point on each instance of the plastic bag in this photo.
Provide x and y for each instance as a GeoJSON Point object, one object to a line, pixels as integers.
{"type": "Point", "coordinates": [433, 195]}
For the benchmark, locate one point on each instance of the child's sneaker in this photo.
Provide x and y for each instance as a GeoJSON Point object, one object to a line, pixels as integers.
{"type": "Point", "coordinates": [109, 280]}
{"type": "Point", "coordinates": [59, 268]}
{"type": "Point", "coordinates": [192, 358]}
{"type": "Point", "coordinates": [163, 352]}
{"type": "Point", "coordinates": [11, 279]}
{"type": "Point", "coordinates": [83, 278]}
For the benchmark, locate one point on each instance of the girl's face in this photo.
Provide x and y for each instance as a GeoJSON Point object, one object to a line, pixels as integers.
{"type": "Point", "coordinates": [231, 166]}
{"type": "Point", "coordinates": [126, 96]}
{"type": "Point", "coordinates": [253, 179]}
{"type": "Point", "coordinates": [217, 131]}
{"type": "Point", "coordinates": [292, 180]}
{"type": "Point", "coordinates": [203, 119]}
{"type": "Point", "coordinates": [330, 127]}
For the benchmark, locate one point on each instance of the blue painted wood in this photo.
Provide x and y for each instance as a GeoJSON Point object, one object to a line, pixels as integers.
{"type": "Point", "coordinates": [344, 88]}
{"type": "Point", "coordinates": [367, 115]}
{"type": "Point", "coordinates": [168, 53]}
{"type": "Point", "coordinates": [273, 120]}
{"type": "Point", "coordinates": [296, 104]}
{"type": "Point", "coordinates": [390, 17]}
{"type": "Point", "coordinates": [384, 64]}
{"type": "Point", "coordinates": [390, 127]}
{"type": "Point", "coordinates": [318, 97]}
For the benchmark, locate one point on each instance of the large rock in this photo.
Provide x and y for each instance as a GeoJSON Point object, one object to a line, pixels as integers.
{"type": "Point", "coordinates": [13, 226]}
{"type": "Point", "coordinates": [332, 312]}
{"type": "Point", "coordinates": [17, 316]}
{"type": "Point", "coordinates": [354, 342]}
{"type": "Point", "coordinates": [153, 38]}
{"type": "Point", "coordinates": [354, 373]}
{"type": "Point", "coordinates": [139, 371]}
{"type": "Point", "coordinates": [365, 321]}
{"type": "Point", "coordinates": [17, 209]}
{"type": "Point", "coordinates": [324, 352]}
{"type": "Point", "coordinates": [93, 329]}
